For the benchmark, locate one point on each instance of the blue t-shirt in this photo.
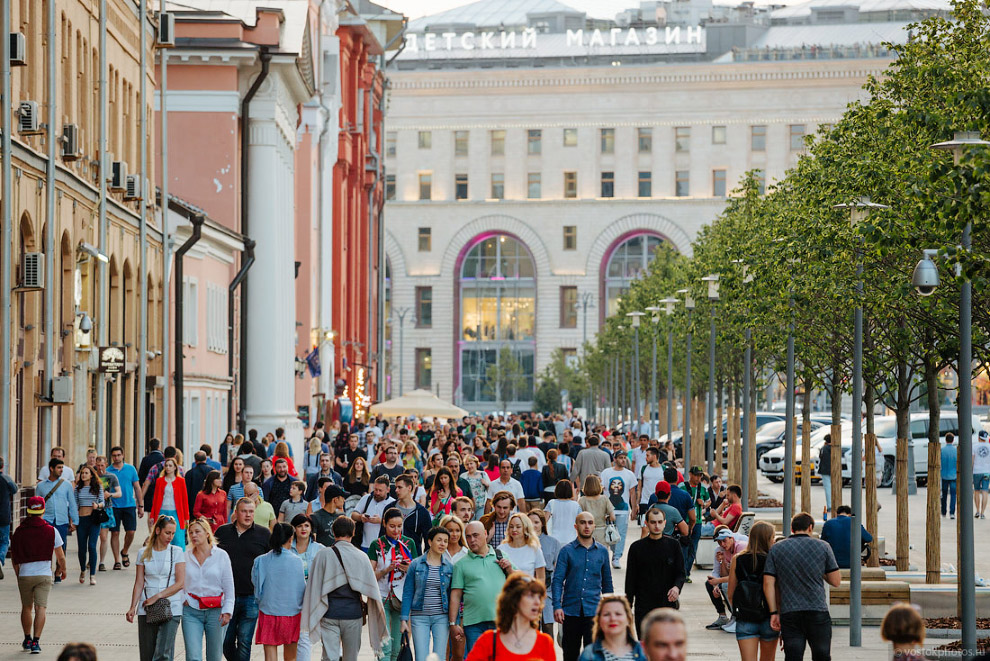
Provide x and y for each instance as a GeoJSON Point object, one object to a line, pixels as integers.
{"type": "Point", "coordinates": [949, 457]}
{"type": "Point", "coordinates": [127, 476]}
{"type": "Point", "coordinates": [681, 500]}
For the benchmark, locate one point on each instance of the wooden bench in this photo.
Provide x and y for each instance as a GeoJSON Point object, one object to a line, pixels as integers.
{"type": "Point", "coordinates": [868, 574]}
{"type": "Point", "coordinates": [877, 598]}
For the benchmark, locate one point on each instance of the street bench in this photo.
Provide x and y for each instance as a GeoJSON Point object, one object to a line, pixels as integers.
{"type": "Point", "coordinates": [877, 596]}
{"type": "Point", "coordinates": [705, 557]}
{"type": "Point", "coordinates": [870, 574]}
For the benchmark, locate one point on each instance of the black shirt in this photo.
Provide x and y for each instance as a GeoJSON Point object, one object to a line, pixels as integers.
{"type": "Point", "coordinates": [348, 455]}
{"type": "Point", "coordinates": [653, 566]}
{"type": "Point", "coordinates": [322, 521]}
{"type": "Point", "coordinates": [276, 491]}
{"type": "Point", "coordinates": [243, 548]}
{"type": "Point", "coordinates": [382, 469]}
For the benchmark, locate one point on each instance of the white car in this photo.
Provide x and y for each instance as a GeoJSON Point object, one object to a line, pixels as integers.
{"type": "Point", "coordinates": [771, 462]}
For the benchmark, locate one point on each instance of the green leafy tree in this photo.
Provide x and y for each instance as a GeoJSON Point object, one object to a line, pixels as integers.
{"type": "Point", "coordinates": [506, 380]}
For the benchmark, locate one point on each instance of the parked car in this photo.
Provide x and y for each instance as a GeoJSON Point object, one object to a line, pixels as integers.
{"type": "Point", "coordinates": [771, 462]}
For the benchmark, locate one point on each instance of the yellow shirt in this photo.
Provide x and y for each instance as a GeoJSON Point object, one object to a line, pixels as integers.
{"type": "Point", "coordinates": [264, 514]}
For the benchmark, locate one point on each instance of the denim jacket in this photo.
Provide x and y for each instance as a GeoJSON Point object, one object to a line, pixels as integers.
{"type": "Point", "coordinates": [594, 652]}
{"type": "Point", "coordinates": [414, 587]}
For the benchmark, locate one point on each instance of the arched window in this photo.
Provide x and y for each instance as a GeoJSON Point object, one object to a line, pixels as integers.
{"type": "Point", "coordinates": [627, 262]}
{"type": "Point", "coordinates": [497, 324]}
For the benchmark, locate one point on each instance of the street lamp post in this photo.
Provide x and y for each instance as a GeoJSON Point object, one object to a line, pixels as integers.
{"type": "Point", "coordinates": [635, 384]}
{"type": "Point", "coordinates": [747, 384]}
{"type": "Point", "coordinates": [654, 402]}
{"type": "Point", "coordinates": [669, 304]}
{"type": "Point", "coordinates": [587, 300]}
{"type": "Point", "coordinates": [401, 312]}
{"type": "Point", "coordinates": [788, 509]}
{"type": "Point", "coordinates": [712, 281]}
{"type": "Point", "coordinates": [858, 211]}
{"type": "Point", "coordinates": [686, 440]}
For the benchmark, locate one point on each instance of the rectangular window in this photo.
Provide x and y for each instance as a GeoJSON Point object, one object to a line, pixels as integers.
{"type": "Point", "coordinates": [682, 183]}
{"type": "Point", "coordinates": [645, 139]}
{"type": "Point", "coordinates": [761, 181]}
{"type": "Point", "coordinates": [424, 307]}
{"type": "Point", "coordinates": [570, 185]}
{"type": "Point", "coordinates": [534, 186]}
{"type": "Point", "coordinates": [758, 138]}
{"type": "Point", "coordinates": [498, 186]}
{"type": "Point", "coordinates": [570, 137]}
{"type": "Point", "coordinates": [426, 185]}
{"type": "Point", "coordinates": [390, 187]}
{"type": "Point", "coordinates": [718, 135]}
{"type": "Point", "coordinates": [460, 143]}
{"type": "Point", "coordinates": [534, 142]}
{"type": "Point", "coordinates": [645, 184]}
{"type": "Point", "coordinates": [608, 184]}
{"type": "Point", "coordinates": [460, 187]}
{"type": "Point", "coordinates": [390, 141]}
{"type": "Point", "coordinates": [498, 142]}
{"type": "Point", "coordinates": [608, 141]}
{"type": "Point", "coordinates": [569, 354]}
{"type": "Point", "coordinates": [570, 237]}
{"type": "Point", "coordinates": [216, 320]}
{"type": "Point", "coordinates": [425, 140]}
{"type": "Point", "coordinates": [797, 137]}
{"type": "Point", "coordinates": [425, 239]}
{"type": "Point", "coordinates": [424, 369]}
{"type": "Point", "coordinates": [568, 307]}
{"type": "Point", "coordinates": [682, 138]}
{"type": "Point", "coordinates": [718, 183]}
{"type": "Point", "coordinates": [190, 306]}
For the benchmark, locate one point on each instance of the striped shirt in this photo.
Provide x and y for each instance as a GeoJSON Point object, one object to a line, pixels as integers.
{"type": "Point", "coordinates": [86, 498]}
{"type": "Point", "coordinates": [432, 602]}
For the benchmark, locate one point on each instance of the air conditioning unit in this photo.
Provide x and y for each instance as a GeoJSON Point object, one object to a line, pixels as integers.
{"type": "Point", "coordinates": [62, 390]}
{"type": "Point", "coordinates": [166, 30]}
{"type": "Point", "coordinates": [18, 50]}
{"type": "Point", "coordinates": [70, 142]}
{"type": "Point", "coordinates": [33, 271]}
{"type": "Point", "coordinates": [135, 187]}
{"type": "Point", "coordinates": [118, 176]}
{"type": "Point", "coordinates": [28, 120]}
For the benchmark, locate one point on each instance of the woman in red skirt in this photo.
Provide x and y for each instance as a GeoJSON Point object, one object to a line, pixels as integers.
{"type": "Point", "coordinates": [278, 588]}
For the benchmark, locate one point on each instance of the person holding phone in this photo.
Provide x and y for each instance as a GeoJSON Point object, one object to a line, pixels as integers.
{"type": "Point", "coordinates": [391, 555]}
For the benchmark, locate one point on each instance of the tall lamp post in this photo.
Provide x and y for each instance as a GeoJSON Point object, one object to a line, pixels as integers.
{"type": "Point", "coordinates": [747, 384]}
{"type": "Point", "coordinates": [712, 281]}
{"type": "Point", "coordinates": [858, 211]}
{"type": "Point", "coordinates": [669, 304]}
{"type": "Point", "coordinates": [788, 509]}
{"type": "Point", "coordinates": [961, 141]}
{"type": "Point", "coordinates": [634, 316]}
{"type": "Point", "coordinates": [587, 300]}
{"type": "Point", "coordinates": [402, 312]}
{"type": "Point", "coordinates": [689, 305]}
{"type": "Point", "coordinates": [654, 402]}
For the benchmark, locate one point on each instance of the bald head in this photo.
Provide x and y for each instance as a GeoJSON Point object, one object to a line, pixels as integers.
{"type": "Point", "coordinates": [476, 538]}
{"type": "Point", "coordinates": [250, 490]}
{"type": "Point", "coordinates": [584, 524]}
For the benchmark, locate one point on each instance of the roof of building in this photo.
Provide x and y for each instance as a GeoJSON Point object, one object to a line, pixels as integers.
{"type": "Point", "coordinates": [865, 7]}
{"type": "Point", "coordinates": [246, 11]}
{"type": "Point", "coordinates": [845, 34]}
{"type": "Point", "coordinates": [490, 13]}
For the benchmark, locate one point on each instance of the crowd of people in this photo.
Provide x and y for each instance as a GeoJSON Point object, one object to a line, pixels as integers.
{"type": "Point", "coordinates": [473, 540]}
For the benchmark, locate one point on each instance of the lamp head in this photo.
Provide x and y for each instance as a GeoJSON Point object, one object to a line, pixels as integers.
{"type": "Point", "coordinates": [925, 278]}
{"type": "Point", "coordinates": [635, 317]}
{"type": "Point", "coordinates": [712, 280]}
{"type": "Point", "coordinates": [860, 209]}
{"type": "Point", "coordinates": [961, 140]}
{"type": "Point", "coordinates": [669, 304]}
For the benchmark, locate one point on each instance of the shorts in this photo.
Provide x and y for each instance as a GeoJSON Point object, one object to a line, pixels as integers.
{"type": "Point", "coordinates": [746, 630]}
{"type": "Point", "coordinates": [126, 516]}
{"type": "Point", "coordinates": [34, 590]}
{"type": "Point", "coordinates": [981, 482]}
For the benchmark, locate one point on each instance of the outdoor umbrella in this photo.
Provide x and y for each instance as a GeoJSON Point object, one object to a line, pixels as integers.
{"type": "Point", "coordinates": [420, 403]}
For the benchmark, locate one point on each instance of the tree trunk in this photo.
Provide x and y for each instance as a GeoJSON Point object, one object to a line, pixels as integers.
{"type": "Point", "coordinates": [661, 407]}
{"type": "Point", "coordinates": [719, 412]}
{"type": "Point", "coordinates": [834, 499]}
{"type": "Point", "coordinates": [698, 439]}
{"type": "Point", "coordinates": [870, 445]}
{"type": "Point", "coordinates": [733, 467]}
{"type": "Point", "coordinates": [754, 492]}
{"type": "Point", "coordinates": [901, 486]}
{"type": "Point", "coordinates": [806, 448]}
{"type": "Point", "coordinates": [933, 530]}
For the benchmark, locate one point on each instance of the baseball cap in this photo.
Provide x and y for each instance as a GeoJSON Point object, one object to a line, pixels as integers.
{"type": "Point", "coordinates": [723, 534]}
{"type": "Point", "coordinates": [333, 491]}
{"type": "Point", "coordinates": [36, 505]}
{"type": "Point", "coordinates": [663, 486]}
{"type": "Point", "coordinates": [984, 435]}
{"type": "Point", "coordinates": [697, 470]}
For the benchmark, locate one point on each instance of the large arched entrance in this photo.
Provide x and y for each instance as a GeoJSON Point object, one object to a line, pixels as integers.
{"type": "Point", "coordinates": [628, 260]}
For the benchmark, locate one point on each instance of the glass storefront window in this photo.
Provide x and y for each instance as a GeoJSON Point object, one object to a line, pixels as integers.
{"type": "Point", "coordinates": [628, 261]}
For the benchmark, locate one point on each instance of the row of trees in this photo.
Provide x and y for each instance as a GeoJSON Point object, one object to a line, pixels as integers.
{"type": "Point", "coordinates": [802, 255]}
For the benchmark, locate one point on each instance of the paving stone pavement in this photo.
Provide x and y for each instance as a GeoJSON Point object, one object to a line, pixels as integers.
{"type": "Point", "coordinates": [96, 613]}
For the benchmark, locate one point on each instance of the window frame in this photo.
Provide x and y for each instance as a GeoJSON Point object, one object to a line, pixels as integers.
{"type": "Point", "coordinates": [607, 179]}
{"type": "Point", "coordinates": [758, 137]}
{"type": "Point", "coordinates": [686, 180]}
{"type": "Point", "coordinates": [424, 297]}
{"type": "Point", "coordinates": [568, 306]}
{"type": "Point", "coordinates": [569, 138]}
{"type": "Point", "coordinates": [420, 356]}
{"type": "Point", "coordinates": [572, 176]}
{"type": "Point", "coordinates": [424, 237]}
{"type": "Point", "coordinates": [496, 137]}
{"type": "Point", "coordinates": [606, 140]}
{"type": "Point", "coordinates": [461, 139]}
{"type": "Point", "coordinates": [458, 183]}
{"type": "Point", "coordinates": [644, 136]}
{"type": "Point", "coordinates": [534, 137]}
{"type": "Point", "coordinates": [570, 237]}
{"type": "Point", "coordinates": [720, 128]}
{"type": "Point", "coordinates": [424, 139]}
{"type": "Point", "coordinates": [529, 185]}
{"type": "Point", "coordinates": [640, 180]}
{"type": "Point", "coordinates": [425, 179]}
{"type": "Point", "coordinates": [715, 182]}
{"type": "Point", "coordinates": [500, 184]}
{"type": "Point", "coordinates": [682, 139]}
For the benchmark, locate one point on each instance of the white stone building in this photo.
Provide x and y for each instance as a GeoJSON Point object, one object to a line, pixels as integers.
{"type": "Point", "coordinates": [531, 176]}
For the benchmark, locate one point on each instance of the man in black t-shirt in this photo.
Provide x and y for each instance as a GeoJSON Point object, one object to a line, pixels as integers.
{"type": "Point", "coordinates": [391, 468]}
{"type": "Point", "coordinates": [243, 540]}
{"type": "Point", "coordinates": [333, 508]}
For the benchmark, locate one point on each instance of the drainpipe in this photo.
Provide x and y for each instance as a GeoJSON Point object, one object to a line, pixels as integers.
{"type": "Point", "coordinates": [49, 296]}
{"type": "Point", "coordinates": [246, 263]}
{"type": "Point", "coordinates": [103, 301]}
{"type": "Point", "coordinates": [245, 226]}
{"type": "Point", "coordinates": [142, 434]}
{"type": "Point", "coordinates": [372, 221]}
{"type": "Point", "coordinates": [166, 254]}
{"type": "Point", "coordinates": [197, 232]}
{"type": "Point", "coordinates": [6, 124]}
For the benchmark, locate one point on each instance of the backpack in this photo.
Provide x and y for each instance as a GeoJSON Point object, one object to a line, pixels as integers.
{"type": "Point", "coordinates": [748, 601]}
{"type": "Point", "coordinates": [516, 470]}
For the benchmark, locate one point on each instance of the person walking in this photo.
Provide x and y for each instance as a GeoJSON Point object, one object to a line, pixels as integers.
{"type": "Point", "coordinates": [561, 511]}
{"type": "Point", "coordinates": [552, 473]}
{"type": "Point", "coordinates": [90, 504]}
{"type": "Point", "coordinates": [277, 488]}
{"type": "Point", "coordinates": [522, 547]}
{"type": "Point", "coordinates": [505, 484]}
{"type": "Point", "coordinates": [590, 461]}
{"type": "Point", "coordinates": [111, 489]}
{"type": "Point", "coordinates": [754, 635]}
{"type": "Point", "coordinates": [456, 545]}
{"type": "Point", "coordinates": [838, 533]}
{"type": "Point", "coordinates": [341, 585]}
{"type": "Point", "coordinates": [950, 456]}
{"type": "Point", "coordinates": [516, 634]}
{"type": "Point", "coordinates": [476, 583]}
{"type": "Point", "coordinates": [550, 548]}
{"type": "Point", "coordinates": [612, 632]}
{"type": "Point", "coordinates": [294, 504]}
{"type": "Point", "coordinates": [478, 484]}
{"type": "Point", "coordinates": [369, 511]}
{"type": "Point", "coordinates": [61, 510]}
{"type": "Point", "coordinates": [8, 489]}
{"type": "Point", "coordinates": [279, 585]}
{"type": "Point", "coordinates": [904, 628]}
{"type": "Point", "coordinates": [170, 499]}
{"type": "Point", "coordinates": [196, 476]}
{"type": "Point", "coordinates": [621, 488]}
{"type": "Point", "coordinates": [243, 540]}
{"type": "Point", "coordinates": [496, 521]}
{"type": "Point", "coordinates": [661, 500]}
{"type": "Point", "coordinates": [391, 555]}
{"type": "Point", "coordinates": [325, 470]}
{"type": "Point", "coordinates": [792, 582]}
{"type": "Point", "coordinates": [426, 597]}
{"type": "Point", "coordinates": [333, 507]}
{"type": "Point", "coordinates": [32, 546]}
{"type": "Point", "coordinates": [655, 569]}
{"type": "Point", "coordinates": [824, 470]}
{"type": "Point", "coordinates": [160, 575]}
{"type": "Point", "coordinates": [700, 501]}
{"type": "Point", "coordinates": [209, 593]}
{"type": "Point", "coordinates": [305, 546]}
{"type": "Point", "coordinates": [581, 577]}
{"type": "Point", "coordinates": [211, 501]}
{"type": "Point", "coordinates": [981, 474]}
{"type": "Point", "coordinates": [127, 509]}
{"type": "Point", "coordinates": [650, 474]}
{"type": "Point", "coordinates": [416, 519]}
{"type": "Point", "coordinates": [593, 500]}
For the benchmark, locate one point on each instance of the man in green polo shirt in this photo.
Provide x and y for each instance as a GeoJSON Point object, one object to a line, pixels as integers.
{"type": "Point", "coordinates": [701, 499]}
{"type": "Point", "coordinates": [478, 579]}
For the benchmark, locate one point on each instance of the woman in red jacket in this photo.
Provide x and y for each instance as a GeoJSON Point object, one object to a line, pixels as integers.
{"type": "Point", "coordinates": [171, 500]}
{"type": "Point", "coordinates": [211, 501]}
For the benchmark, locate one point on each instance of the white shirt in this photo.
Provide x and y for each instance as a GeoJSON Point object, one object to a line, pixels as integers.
{"type": "Point", "coordinates": [457, 556]}
{"type": "Point", "coordinates": [981, 458]}
{"type": "Point", "coordinates": [372, 531]}
{"type": "Point", "coordinates": [41, 567]}
{"type": "Point", "coordinates": [214, 577]}
{"type": "Point", "coordinates": [526, 453]}
{"type": "Point", "coordinates": [156, 576]}
{"type": "Point", "coordinates": [562, 516]}
{"type": "Point", "coordinates": [638, 459]}
{"type": "Point", "coordinates": [525, 558]}
{"type": "Point", "coordinates": [67, 473]}
{"type": "Point", "coordinates": [651, 477]}
{"type": "Point", "coordinates": [513, 487]}
{"type": "Point", "coordinates": [624, 479]}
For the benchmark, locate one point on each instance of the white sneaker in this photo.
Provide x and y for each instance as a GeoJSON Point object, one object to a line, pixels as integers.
{"type": "Point", "coordinates": [616, 564]}
{"type": "Point", "coordinates": [730, 627]}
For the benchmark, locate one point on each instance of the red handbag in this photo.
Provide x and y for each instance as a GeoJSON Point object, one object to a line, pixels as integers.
{"type": "Point", "coordinates": [208, 602]}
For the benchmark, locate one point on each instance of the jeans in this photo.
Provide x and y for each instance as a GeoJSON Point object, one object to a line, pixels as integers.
{"type": "Point", "coordinates": [425, 626]}
{"type": "Point", "coordinates": [622, 526]}
{"type": "Point", "coordinates": [691, 550]}
{"type": "Point", "coordinates": [390, 650]}
{"type": "Point", "coordinates": [303, 646]}
{"type": "Point", "coordinates": [63, 530]}
{"type": "Point", "coordinates": [340, 638]}
{"type": "Point", "coordinates": [4, 542]}
{"type": "Point", "coordinates": [949, 491]}
{"type": "Point", "coordinates": [715, 594]}
{"type": "Point", "coordinates": [577, 635]}
{"type": "Point", "coordinates": [472, 632]}
{"type": "Point", "coordinates": [87, 534]}
{"type": "Point", "coordinates": [811, 627]}
{"type": "Point", "coordinates": [197, 623]}
{"type": "Point", "coordinates": [156, 642]}
{"type": "Point", "coordinates": [827, 486]}
{"type": "Point", "coordinates": [240, 631]}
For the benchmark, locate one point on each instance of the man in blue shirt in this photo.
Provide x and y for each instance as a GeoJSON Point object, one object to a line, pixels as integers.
{"type": "Point", "coordinates": [949, 456]}
{"type": "Point", "coordinates": [60, 502]}
{"type": "Point", "coordinates": [838, 531]}
{"type": "Point", "coordinates": [127, 509]}
{"type": "Point", "coordinates": [582, 575]}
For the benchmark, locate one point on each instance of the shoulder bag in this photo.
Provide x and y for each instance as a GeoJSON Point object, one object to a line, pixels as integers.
{"type": "Point", "coordinates": [54, 489]}
{"type": "Point", "coordinates": [160, 611]}
{"type": "Point", "coordinates": [343, 570]}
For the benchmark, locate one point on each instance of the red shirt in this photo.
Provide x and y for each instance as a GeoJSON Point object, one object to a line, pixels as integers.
{"type": "Point", "coordinates": [482, 651]}
{"type": "Point", "coordinates": [732, 515]}
{"type": "Point", "coordinates": [213, 507]}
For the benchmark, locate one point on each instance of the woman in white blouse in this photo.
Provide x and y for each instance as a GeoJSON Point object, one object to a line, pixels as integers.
{"type": "Point", "coordinates": [522, 547]}
{"type": "Point", "coordinates": [209, 590]}
{"type": "Point", "coordinates": [160, 574]}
